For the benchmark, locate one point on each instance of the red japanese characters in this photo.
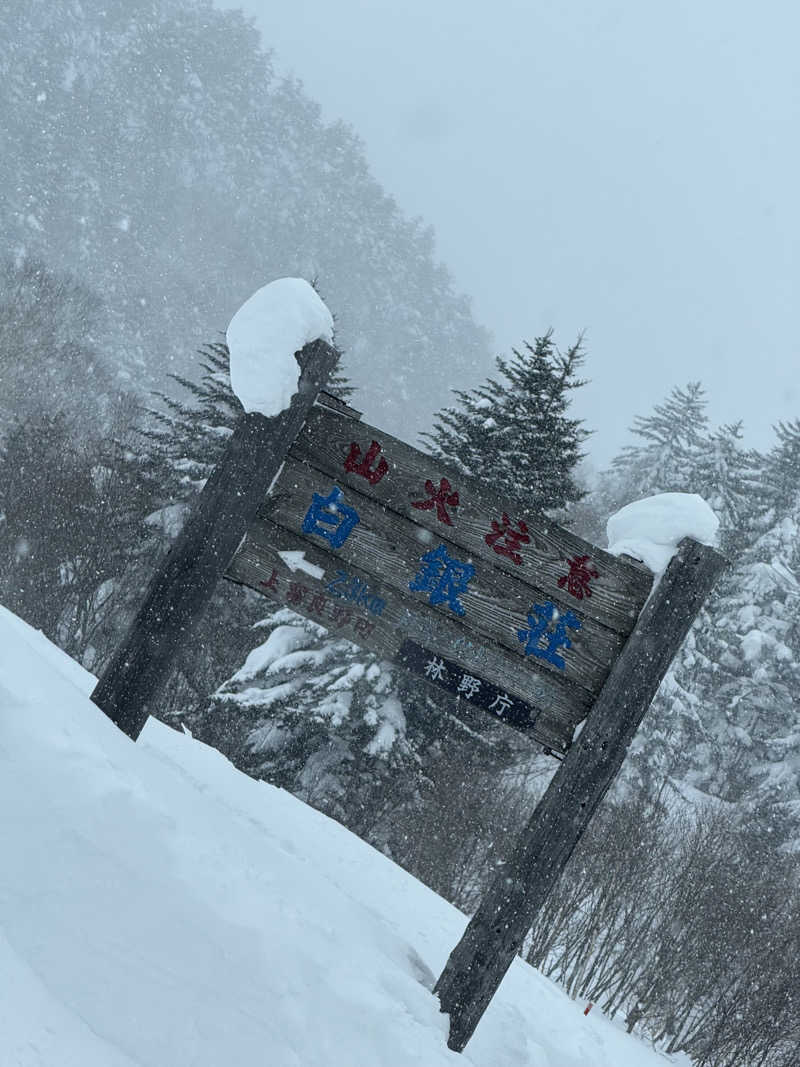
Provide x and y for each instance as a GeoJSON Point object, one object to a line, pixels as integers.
{"type": "Point", "coordinates": [576, 581]}
{"type": "Point", "coordinates": [442, 498]}
{"type": "Point", "coordinates": [365, 465]}
{"type": "Point", "coordinates": [505, 540]}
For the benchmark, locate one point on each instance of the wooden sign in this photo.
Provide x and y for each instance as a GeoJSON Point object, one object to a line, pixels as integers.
{"type": "Point", "coordinates": [427, 567]}
{"type": "Point", "coordinates": [503, 609]}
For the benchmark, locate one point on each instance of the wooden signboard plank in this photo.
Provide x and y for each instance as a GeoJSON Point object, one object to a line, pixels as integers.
{"type": "Point", "coordinates": [352, 604]}
{"type": "Point", "coordinates": [610, 590]}
{"type": "Point", "coordinates": [492, 605]}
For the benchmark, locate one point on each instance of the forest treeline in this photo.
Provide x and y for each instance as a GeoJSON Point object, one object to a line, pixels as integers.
{"type": "Point", "coordinates": [150, 149]}
{"type": "Point", "coordinates": [132, 246]}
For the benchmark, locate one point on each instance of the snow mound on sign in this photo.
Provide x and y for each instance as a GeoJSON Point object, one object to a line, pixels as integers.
{"type": "Point", "coordinates": [263, 336]}
{"type": "Point", "coordinates": [651, 529]}
{"type": "Point", "coordinates": [158, 908]}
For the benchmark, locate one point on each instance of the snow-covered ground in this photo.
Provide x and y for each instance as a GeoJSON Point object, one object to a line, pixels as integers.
{"type": "Point", "coordinates": [159, 908]}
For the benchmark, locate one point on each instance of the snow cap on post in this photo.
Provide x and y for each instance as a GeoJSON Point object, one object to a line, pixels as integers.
{"type": "Point", "coordinates": [263, 336]}
{"type": "Point", "coordinates": [652, 528]}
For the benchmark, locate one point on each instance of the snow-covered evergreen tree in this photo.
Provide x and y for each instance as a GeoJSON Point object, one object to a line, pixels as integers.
{"type": "Point", "coordinates": [361, 741]}
{"type": "Point", "coordinates": [663, 460]}
{"type": "Point", "coordinates": [781, 469]}
{"type": "Point", "coordinates": [749, 697]}
{"type": "Point", "coordinates": [687, 735]}
{"type": "Point", "coordinates": [730, 478]}
{"type": "Point", "coordinates": [515, 431]}
{"type": "Point", "coordinates": [317, 715]}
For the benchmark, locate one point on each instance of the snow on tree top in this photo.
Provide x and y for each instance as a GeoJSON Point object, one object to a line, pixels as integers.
{"type": "Point", "coordinates": [651, 529]}
{"type": "Point", "coordinates": [263, 336]}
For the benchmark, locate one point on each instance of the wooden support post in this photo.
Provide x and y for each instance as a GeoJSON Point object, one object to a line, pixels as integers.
{"type": "Point", "coordinates": [183, 585]}
{"type": "Point", "coordinates": [496, 932]}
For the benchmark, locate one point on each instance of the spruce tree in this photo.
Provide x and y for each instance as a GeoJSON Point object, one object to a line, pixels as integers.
{"type": "Point", "coordinates": [749, 698]}
{"type": "Point", "coordinates": [515, 430]}
{"type": "Point", "coordinates": [686, 735]}
{"type": "Point", "coordinates": [781, 470]}
{"type": "Point", "coordinates": [356, 738]}
{"type": "Point", "coordinates": [190, 433]}
{"type": "Point", "coordinates": [670, 439]}
{"type": "Point", "coordinates": [725, 718]}
{"type": "Point", "coordinates": [730, 478]}
{"type": "Point", "coordinates": [317, 715]}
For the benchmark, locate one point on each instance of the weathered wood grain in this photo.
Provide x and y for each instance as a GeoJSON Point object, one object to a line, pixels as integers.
{"type": "Point", "coordinates": [335, 403]}
{"type": "Point", "coordinates": [184, 583]}
{"type": "Point", "coordinates": [390, 546]}
{"type": "Point", "coordinates": [617, 595]}
{"type": "Point", "coordinates": [496, 932]}
{"type": "Point", "coordinates": [559, 706]}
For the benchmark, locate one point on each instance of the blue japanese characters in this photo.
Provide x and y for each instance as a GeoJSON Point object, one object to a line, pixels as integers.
{"type": "Point", "coordinates": [329, 518]}
{"type": "Point", "coordinates": [444, 578]}
{"type": "Point", "coordinates": [539, 619]}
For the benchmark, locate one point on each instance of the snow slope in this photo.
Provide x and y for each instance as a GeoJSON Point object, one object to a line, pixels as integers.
{"type": "Point", "coordinates": [159, 908]}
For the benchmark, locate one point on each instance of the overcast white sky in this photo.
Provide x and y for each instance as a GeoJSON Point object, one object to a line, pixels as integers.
{"type": "Point", "coordinates": [624, 167]}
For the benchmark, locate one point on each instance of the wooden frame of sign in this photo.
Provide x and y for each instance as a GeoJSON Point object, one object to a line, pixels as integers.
{"type": "Point", "coordinates": [528, 620]}
{"type": "Point", "coordinates": [505, 610]}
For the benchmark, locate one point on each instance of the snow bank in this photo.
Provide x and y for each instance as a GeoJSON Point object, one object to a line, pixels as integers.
{"type": "Point", "coordinates": [263, 336]}
{"type": "Point", "coordinates": [651, 529]}
{"type": "Point", "coordinates": [157, 908]}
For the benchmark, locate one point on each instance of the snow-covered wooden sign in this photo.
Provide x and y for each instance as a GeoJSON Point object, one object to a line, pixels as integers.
{"type": "Point", "coordinates": [385, 545]}
{"type": "Point", "coordinates": [375, 540]}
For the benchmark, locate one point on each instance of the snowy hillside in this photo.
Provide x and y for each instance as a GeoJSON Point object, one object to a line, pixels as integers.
{"type": "Point", "coordinates": [159, 908]}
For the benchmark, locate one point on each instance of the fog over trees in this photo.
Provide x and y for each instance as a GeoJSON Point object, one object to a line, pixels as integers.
{"type": "Point", "coordinates": [155, 172]}
{"type": "Point", "coordinates": [150, 150]}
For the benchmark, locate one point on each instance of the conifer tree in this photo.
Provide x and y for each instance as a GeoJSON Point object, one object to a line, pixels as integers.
{"type": "Point", "coordinates": [749, 696]}
{"type": "Point", "coordinates": [781, 469]}
{"type": "Point", "coordinates": [354, 737]}
{"type": "Point", "coordinates": [190, 433]}
{"type": "Point", "coordinates": [730, 478]}
{"type": "Point", "coordinates": [515, 430]}
{"type": "Point", "coordinates": [725, 718]}
{"type": "Point", "coordinates": [670, 439]}
{"type": "Point", "coordinates": [315, 714]}
{"type": "Point", "coordinates": [686, 733]}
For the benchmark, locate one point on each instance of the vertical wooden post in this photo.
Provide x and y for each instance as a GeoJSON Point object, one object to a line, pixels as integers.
{"type": "Point", "coordinates": [496, 932]}
{"type": "Point", "coordinates": [183, 585]}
